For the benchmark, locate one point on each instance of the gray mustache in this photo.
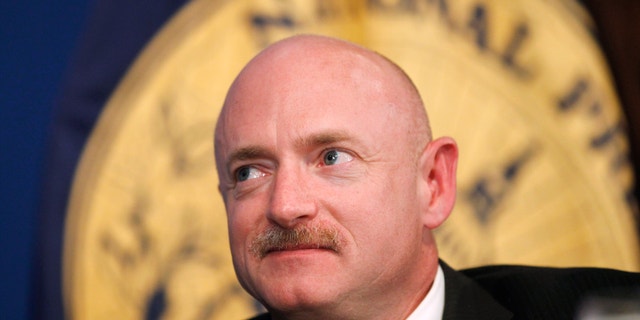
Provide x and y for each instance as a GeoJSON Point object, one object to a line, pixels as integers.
{"type": "Point", "coordinates": [276, 238]}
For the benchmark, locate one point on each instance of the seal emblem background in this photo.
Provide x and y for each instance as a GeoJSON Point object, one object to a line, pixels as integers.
{"type": "Point", "coordinates": [521, 85]}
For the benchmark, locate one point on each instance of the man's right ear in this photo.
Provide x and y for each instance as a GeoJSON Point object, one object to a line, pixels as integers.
{"type": "Point", "coordinates": [437, 182]}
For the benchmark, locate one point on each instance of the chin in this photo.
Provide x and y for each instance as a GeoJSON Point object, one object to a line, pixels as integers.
{"type": "Point", "coordinates": [287, 302]}
{"type": "Point", "coordinates": [292, 294]}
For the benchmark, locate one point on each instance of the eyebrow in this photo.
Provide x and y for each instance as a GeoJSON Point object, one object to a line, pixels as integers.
{"type": "Point", "coordinates": [314, 140]}
{"type": "Point", "coordinates": [248, 153]}
{"type": "Point", "coordinates": [321, 139]}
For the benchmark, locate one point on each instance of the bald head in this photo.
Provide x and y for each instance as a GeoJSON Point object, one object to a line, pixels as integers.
{"type": "Point", "coordinates": [313, 59]}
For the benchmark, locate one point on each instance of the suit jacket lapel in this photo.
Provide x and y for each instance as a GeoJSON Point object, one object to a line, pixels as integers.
{"type": "Point", "coordinates": [465, 299]}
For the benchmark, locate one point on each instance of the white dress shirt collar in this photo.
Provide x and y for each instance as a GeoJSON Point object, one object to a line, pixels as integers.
{"type": "Point", "coordinates": [432, 306]}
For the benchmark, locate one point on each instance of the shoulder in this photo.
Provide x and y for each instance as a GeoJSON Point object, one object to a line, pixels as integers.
{"type": "Point", "coordinates": [526, 276]}
{"type": "Point", "coordinates": [552, 291]}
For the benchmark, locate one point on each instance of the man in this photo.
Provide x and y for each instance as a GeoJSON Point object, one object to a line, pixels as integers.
{"type": "Point", "coordinates": [333, 184]}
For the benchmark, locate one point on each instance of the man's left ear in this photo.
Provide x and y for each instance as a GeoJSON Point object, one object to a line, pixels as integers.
{"type": "Point", "coordinates": [437, 183]}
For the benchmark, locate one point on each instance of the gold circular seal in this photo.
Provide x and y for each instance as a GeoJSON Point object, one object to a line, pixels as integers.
{"type": "Point", "coordinates": [521, 85]}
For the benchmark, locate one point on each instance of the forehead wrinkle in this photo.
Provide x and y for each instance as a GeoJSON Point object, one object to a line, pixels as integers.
{"type": "Point", "coordinates": [323, 138]}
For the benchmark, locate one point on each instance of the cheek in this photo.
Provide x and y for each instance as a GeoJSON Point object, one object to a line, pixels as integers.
{"type": "Point", "coordinates": [365, 210]}
{"type": "Point", "coordinates": [241, 221]}
{"type": "Point", "coordinates": [240, 229]}
{"type": "Point", "coordinates": [385, 204]}
{"type": "Point", "coordinates": [237, 232]}
{"type": "Point", "coordinates": [246, 217]}
{"type": "Point", "coordinates": [237, 236]}
{"type": "Point", "coordinates": [389, 224]}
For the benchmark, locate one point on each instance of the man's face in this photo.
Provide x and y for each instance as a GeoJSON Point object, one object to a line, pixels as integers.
{"type": "Point", "coordinates": [321, 155]}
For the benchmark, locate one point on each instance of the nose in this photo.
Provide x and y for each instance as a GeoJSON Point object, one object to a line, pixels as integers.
{"type": "Point", "coordinates": [291, 202]}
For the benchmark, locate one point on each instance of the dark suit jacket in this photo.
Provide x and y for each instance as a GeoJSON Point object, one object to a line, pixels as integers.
{"type": "Point", "coordinates": [519, 292]}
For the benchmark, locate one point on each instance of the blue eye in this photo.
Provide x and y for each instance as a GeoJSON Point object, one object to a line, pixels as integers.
{"type": "Point", "coordinates": [247, 172]}
{"type": "Point", "coordinates": [333, 157]}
